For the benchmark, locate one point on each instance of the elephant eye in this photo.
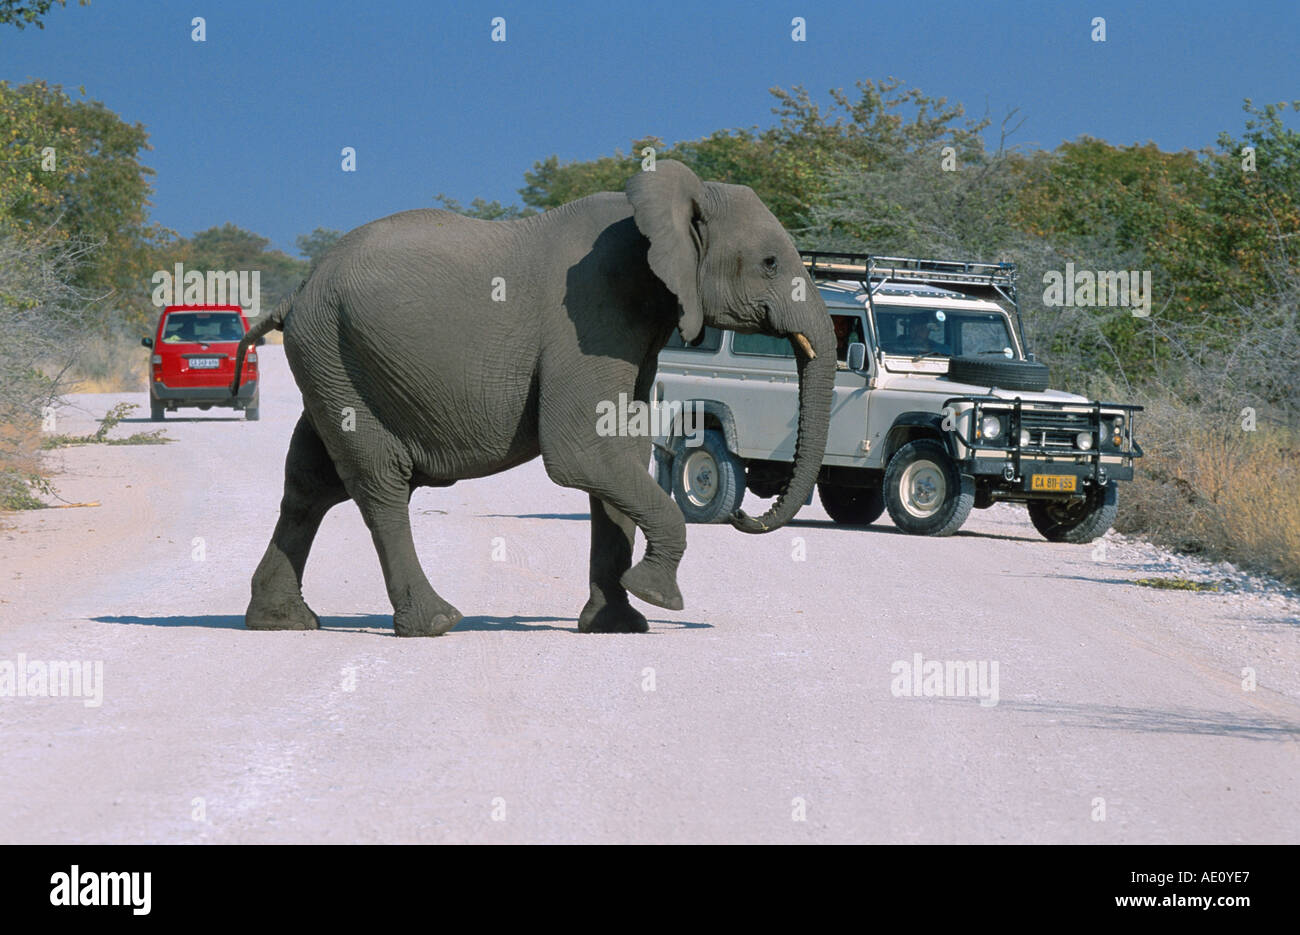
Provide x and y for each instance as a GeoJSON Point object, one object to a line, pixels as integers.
{"type": "Point", "coordinates": [769, 264]}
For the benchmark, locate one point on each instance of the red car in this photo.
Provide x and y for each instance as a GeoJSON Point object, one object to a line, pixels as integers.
{"type": "Point", "coordinates": [193, 362]}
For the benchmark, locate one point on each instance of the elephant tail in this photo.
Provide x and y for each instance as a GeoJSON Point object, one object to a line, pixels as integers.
{"type": "Point", "coordinates": [268, 323]}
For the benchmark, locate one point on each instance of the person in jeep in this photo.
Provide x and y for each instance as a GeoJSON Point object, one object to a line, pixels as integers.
{"type": "Point", "coordinates": [847, 331]}
{"type": "Point", "coordinates": [918, 336]}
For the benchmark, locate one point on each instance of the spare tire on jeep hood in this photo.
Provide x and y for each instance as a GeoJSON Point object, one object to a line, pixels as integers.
{"type": "Point", "coordinates": [1006, 374]}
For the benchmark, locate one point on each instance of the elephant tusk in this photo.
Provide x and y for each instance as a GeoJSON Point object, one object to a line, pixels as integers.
{"type": "Point", "coordinates": [804, 346]}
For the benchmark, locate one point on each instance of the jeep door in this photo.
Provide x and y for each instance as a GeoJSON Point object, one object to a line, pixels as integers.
{"type": "Point", "coordinates": [845, 443]}
{"type": "Point", "coordinates": [767, 403]}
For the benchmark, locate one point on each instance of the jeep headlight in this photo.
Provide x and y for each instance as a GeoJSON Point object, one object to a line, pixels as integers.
{"type": "Point", "coordinates": [1084, 441]}
{"type": "Point", "coordinates": [1116, 431]}
{"type": "Point", "coordinates": [1024, 438]}
{"type": "Point", "coordinates": [990, 427]}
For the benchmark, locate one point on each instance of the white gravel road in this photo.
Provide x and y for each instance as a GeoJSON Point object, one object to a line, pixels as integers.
{"type": "Point", "coordinates": [769, 710]}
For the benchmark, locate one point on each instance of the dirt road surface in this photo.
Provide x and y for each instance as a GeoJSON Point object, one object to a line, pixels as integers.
{"type": "Point", "coordinates": [772, 709]}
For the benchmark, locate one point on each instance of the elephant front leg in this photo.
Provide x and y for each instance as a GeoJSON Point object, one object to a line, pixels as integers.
{"type": "Point", "coordinates": [614, 475]}
{"type": "Point", "coordinates": [608, 610]}
{"type": "Point", "coordinates": [580, 452]}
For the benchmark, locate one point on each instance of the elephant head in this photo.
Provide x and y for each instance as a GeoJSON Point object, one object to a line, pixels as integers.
{"type": "Point", "coordinates": [731, 265]}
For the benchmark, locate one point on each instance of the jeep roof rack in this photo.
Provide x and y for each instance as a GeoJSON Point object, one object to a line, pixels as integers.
{"type": "Point", "coordinates": [983, 280]}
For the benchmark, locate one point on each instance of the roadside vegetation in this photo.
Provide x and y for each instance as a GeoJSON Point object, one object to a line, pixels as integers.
{"type": "Point", "coordinates": [100, 436]}
{"type": "Point", "coordinates": [887, 169]}
{"type": "Point", "coordinates": [880, 168]}
{"type": "Point", "coordinates": [77, 256]}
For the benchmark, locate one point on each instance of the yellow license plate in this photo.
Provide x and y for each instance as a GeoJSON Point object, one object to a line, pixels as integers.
{"type": "Point", "coordinates": [1054, 482]}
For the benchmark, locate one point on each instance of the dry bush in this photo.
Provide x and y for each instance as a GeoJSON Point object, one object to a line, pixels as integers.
{"type": "Point", "coordinates": [20, 466]}
{"type": "Point", "coordinates": [112, 363]}
{"type": "Point", "coordinates": [1208, 486]}
{"type": "Point", "coordinates": [1221, 434]}
{"type": "Point", "coordinates": [1261, 510]}
{"type": "Point", "coordinates": [1189, 457]}
{"type": "Point", "coordinates": [44, 320]}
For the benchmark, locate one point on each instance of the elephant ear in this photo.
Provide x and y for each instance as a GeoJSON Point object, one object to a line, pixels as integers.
{"type": "Point", "coordinates": [668, 204]}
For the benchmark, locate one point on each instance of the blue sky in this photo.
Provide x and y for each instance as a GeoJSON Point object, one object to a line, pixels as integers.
{"type": "Point", "coordinates": [248, 126]}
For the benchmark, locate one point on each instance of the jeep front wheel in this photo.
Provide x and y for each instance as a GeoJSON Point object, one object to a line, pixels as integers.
{"type": "Point", "coordinates": [1076, 521]}
{"type": "Point", "coordinates": [852, 506]}
{"type": "Point", "coordinates": [924, 492]}
{"type": "Point", "coordinates": [708, 480]}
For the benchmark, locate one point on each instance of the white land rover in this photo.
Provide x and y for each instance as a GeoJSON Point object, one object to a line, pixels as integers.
{"type": "Point", "coordinates": [938, 408]}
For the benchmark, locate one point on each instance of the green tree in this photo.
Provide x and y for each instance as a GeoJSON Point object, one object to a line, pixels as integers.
{"type": "Point", "coordinates": [71, 169]}
{"type": "Point", "coordinates": [786, 164]}
{"type": "Point", "coordinates": [1254, 198]}
{"type": "Point", "coordinates": [550, 184]}
{"type": "Point", "coordinates": [483, 210]}
{"type": "Point", "coordinates": [229, 247]}
{"type": "Point", "coordinates": [1216, 228]}
{"type": "Point", "coordinates": [792, 164]}
{"type": "Point", "coordinates": [22, 13]}
{"type": "Point", "coordinates": [314, 245]}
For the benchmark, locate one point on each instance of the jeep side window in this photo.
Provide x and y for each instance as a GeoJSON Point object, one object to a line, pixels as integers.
{"type": "Point", "coordinates": [711, 341]}
{"type": "Point", "coordinates": [848, 330]}
{"type": "Point", "coordinates": [761, 345]}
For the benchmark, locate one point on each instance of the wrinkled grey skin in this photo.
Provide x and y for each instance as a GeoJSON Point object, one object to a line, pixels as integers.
{"type": "Point", "coordinates": [397, 326]}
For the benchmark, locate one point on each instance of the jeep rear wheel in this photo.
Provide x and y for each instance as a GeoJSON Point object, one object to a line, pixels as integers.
{"type": "Point", "coordinates": [1076, 521]}
{"type": "Point", "coordinates": [925, 493]}
{"type": "Point", "coordinates": [708, 480]}
{"type": "Point", "coordinates": [252, 411]}
{"type": "Point", "coordinates": [852, 506]}
{"type": "Point", "coordinates": [156, 411]}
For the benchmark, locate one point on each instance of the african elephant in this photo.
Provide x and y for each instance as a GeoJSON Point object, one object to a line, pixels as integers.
{"type": "Point", "coordinates": [430, 347]}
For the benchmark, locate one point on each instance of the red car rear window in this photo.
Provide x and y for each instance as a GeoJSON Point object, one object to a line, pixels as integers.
{"type": "Point", "coordinates": [205, 327]}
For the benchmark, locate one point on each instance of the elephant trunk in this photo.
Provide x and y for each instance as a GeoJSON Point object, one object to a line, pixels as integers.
{"type": "Point", "coordinates": [816, 389]}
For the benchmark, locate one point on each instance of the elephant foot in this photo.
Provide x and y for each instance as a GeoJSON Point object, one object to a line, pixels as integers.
{"type": "Point", "coordinates": [282, 615]}
{"type": "Point", "coordinates": [654, 584]}
{"type": "Point", "coordinates": [611, 618]}
{"type": "Point", "coordinates": [429, 616]}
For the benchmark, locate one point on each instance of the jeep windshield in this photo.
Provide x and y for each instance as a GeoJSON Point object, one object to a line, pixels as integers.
{"type": "Point", "coordinates": [204, 327]}
{"type": "Point", "coordinates": [917, 331]}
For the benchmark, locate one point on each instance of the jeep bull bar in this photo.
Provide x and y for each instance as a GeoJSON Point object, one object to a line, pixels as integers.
{"type": "Point", "coordinates": [1092, 441]}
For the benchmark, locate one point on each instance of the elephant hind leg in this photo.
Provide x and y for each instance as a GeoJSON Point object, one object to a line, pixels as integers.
{"type": "Point", "coordinates": [418, 610]}
{"type": "Point", "coordinates": [311, 487]}
{"type": "Point", "coordinates": [608, 610]}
